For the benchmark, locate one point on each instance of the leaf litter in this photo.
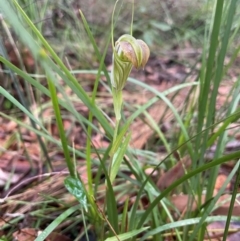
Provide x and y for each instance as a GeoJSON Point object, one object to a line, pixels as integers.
{"type": "Point", "coordinates": [21, 157]}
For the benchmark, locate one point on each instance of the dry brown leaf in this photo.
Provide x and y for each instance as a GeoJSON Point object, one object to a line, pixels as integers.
{"type": "Point", "coordinates": [181, 202]}
{"type": "Point", "coordinates": [10, 126]}
{"type": "Point", "coordinates": [25, 234]}
{"type": "Point", "coordinates": [219, 182]}
{"type": "Point", "coordinates": [215, 231]}
{"type": "Point", "coordinates": [57, 237]}
{"type": "Point", "coordinates": [142, 131]}
{"type": "Point", "coordinates": [8, 177]}
{"type": "Point", "coordinates": [30, 234]}
{"type": "Point", "coordinates": [224, 203]}
{"type": "Point", "coordinates": [173, 174]}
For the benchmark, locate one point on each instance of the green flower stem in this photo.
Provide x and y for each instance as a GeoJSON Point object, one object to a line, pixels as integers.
{"type": "Point", "coordinates": [117, 102]}
{"type": "Point", "coordinates": [128, 52]}
{"type": "Point", "coordinates": [116, 130]}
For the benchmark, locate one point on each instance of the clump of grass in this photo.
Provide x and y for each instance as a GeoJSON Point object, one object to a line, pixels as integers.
{"type": "Point", "coordinates": [154, 221]}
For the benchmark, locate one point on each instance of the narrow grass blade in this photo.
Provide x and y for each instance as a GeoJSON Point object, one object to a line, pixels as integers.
{"type": "Point", "coordinates": [66, 104]}
{"type": "Point", "coordinates": [183, 179]}
{"type": "Point", "coordinates": [118, 157]}
{"type": "Point", "coordinates": [119, 138]}
{"type": "Point", "coordinates": [93, 42]}
{"type": "Point", "coordinates": [233, 199]}
{"type": "Point", "coordinates": [47, 136]}
{"type": "Point", "coordinates": [63, 138]}
{"type": "Point", "coordinates": [56, 223]}
{"type": "Point", "coordinates": [217, 80]}
{"type": "Point", "coordinates": [183, 223]}
{"type": "Point", "coordinates": [101, 66]}
{"type": "Point", "coordinates": [112, 207]}
{"type": "Point", "coordinates": [127, 235]}
{"type": "Point", "coordinates": [21, 107]}
{"type": "Point", "coordinates": [125, 217]}
{"type": "Point", "coordinates": [208, 210]}
{"type": "Point", "coordinates": [37, 51]}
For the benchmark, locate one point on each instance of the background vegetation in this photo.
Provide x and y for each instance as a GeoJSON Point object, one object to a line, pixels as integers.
{"type": "Point", "coordinates": [55, 87]}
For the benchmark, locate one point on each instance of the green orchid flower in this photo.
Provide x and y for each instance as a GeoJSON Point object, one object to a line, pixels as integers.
{"type": "Point", "coordinates": [127, 52]}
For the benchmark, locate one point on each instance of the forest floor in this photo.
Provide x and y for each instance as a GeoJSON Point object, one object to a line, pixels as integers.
{"type": "Point", "coordinates": [28, 179]}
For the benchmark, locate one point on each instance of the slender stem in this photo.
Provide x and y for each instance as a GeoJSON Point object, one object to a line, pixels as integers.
{"type": "Point", "coordinates": [113, 142]}
{"type": "Point", "coordinates": [233, 199]}
{"type": "Point", "coordinates": [116, 130]}
{"type": "Point", "coordinates": [88, 155]}
{"type": "Point", "coordinates": [131, 27]}
{"type": "Point", "coordinates": [117, 103]}
{"type": "Point", "coordinates": [112, 25]}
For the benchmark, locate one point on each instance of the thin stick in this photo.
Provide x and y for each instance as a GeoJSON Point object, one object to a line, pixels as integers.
{"type": "Point", "coordinates": [2, 200]}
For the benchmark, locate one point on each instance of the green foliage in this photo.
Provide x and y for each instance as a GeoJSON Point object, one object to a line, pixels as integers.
{"type": "Point", "coordinates": [75, 187]}
{"type": "Point", "coordinates": [199, 123]}
{"type": "Point", "coordinates": [56, 222]}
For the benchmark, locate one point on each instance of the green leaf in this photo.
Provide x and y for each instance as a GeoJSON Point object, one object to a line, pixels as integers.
{"type": "Point", "coordinates": [119, 138]}
{"type": "Point", "coordinates": [182, 223]}
{"type": "Point", "coordinates": [56, 64]}
{"type": "Point", "coordinates": [127, 235]}
{"type": "Point", "coordinates": [118, 156]}
{"type": "Point", "coordinates": [59, 122]}
{"type": "Point", "coordinates": [75, 187]}
{"type": "Point", "coordinates": [6, 94]}
{"type": "Point", "coordinates": [56, 222]}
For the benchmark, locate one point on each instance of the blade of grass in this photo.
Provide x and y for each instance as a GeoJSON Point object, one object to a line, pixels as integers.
{"type": "Point", "coordinates": [234, 195]}
{"type": "Point", "coordinates": [61, 131]}
{"type": "Point", "coordinates": [56, 223]}
{"type": "Point", "coordinates": [118, 157]}
{"type": "Point", "coordinates": [22, 108]}
{"type": "Point", "coordinates": [37, 50]}
{"type": "Point", "coordinates": [183, 223]}
{"type": "Point", "coordinates": [67, 105]}
{"type": "Point", "coordinates": [217, 79]}
{"type": "Point", "coordinates": [211, 205]}
{"type": "Point", "coordinates": [127, 235]}
{"type": "Point", "coordinates": [25, 104]}
{"type": "Point", "coordinates": [183, 179]}
{"type": "Point", "coordinates": [102, 66]}
{"type": "Point", "coordinates": [93, 42]}
{"type": "Point", "coordinates": [47, 136]}
{"type": "Point", "coordinates": [124, 222]}
{"type": "Point", "coordinates": [201, 141]}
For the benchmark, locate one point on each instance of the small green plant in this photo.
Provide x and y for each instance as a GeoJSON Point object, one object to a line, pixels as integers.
{"type": "Point", "coordinates": [127, 52]}
{"type": "Point", "coordinates": [198, 124]}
